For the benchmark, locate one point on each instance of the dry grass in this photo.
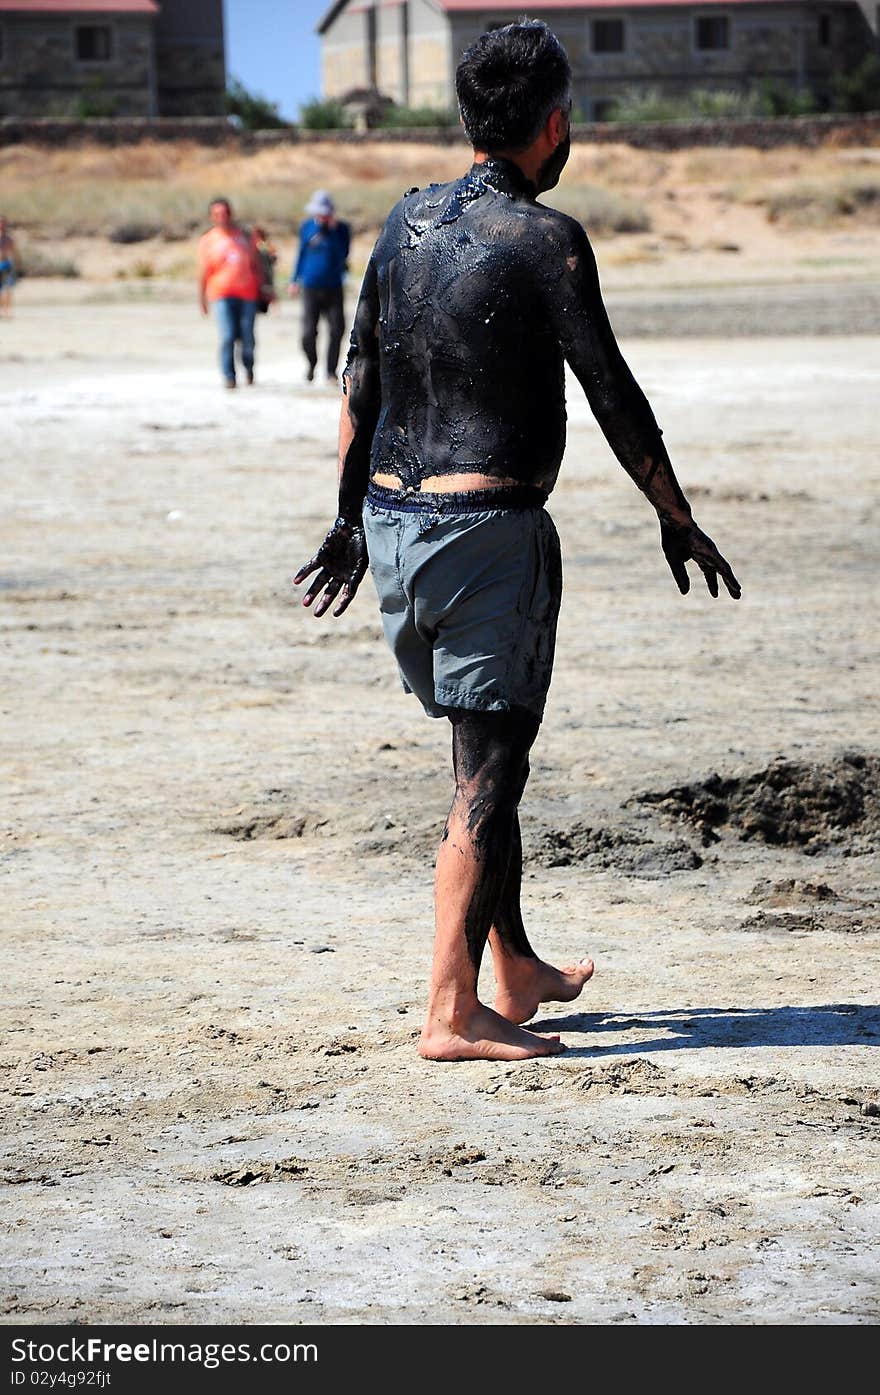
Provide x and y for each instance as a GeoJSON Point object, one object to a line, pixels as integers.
{"type": "Point", "coordinates": [814, 205]}
{"type": "Point", "coordinates": [131, 195]}
{"type": "Point", "coordinates": [39, 262]}
{"type": "Point", "coordinates": [148, 197]}
{"type": "Point", "coordinates": [603, 211]}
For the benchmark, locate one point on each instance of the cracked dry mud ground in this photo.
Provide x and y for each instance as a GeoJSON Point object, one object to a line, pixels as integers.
{"type": "Point", "coordinates": [216, 886]}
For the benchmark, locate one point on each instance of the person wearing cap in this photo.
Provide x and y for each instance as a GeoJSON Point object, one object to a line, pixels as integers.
{"type": "Point", "coordinates": [318, 276]}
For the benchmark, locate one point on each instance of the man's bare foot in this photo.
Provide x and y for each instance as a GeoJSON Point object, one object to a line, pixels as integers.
{"type": "Point", "coordinates": [529, 982]}
{"type": "Point", "coordinates": [483, 1036]}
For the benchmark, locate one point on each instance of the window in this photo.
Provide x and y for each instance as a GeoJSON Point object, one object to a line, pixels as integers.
{"type": "Point", "coordinates": [608, 36]}
{"type": "Point", "coordinates": [712, 32]}
{"type": "Point", "coordinates": [824, 31]}
{"type": "Point", "coordinates": [93, 43]}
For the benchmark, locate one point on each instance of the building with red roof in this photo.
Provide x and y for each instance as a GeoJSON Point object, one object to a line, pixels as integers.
{"type": "Point", "coordinates": [112, 58]}
{"type": "Point", "coordinates": [409, 49]}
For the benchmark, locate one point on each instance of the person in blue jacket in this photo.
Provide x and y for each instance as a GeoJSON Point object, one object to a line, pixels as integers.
{"type": "Point", "coordinates": [318, 277]}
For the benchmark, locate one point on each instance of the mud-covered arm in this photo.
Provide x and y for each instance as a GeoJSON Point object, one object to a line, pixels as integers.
{"type": "Point", "coordinates": [623, 411]}
{"type": "Point", "coordinates": [341, 560]}
{"type": "Point", "coordinates": [616, 400]}
{"type": "Point", "coordinates": [361, 400]}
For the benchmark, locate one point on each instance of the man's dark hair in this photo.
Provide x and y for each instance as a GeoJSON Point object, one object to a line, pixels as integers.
{"type": "Point", "coordinates": [508, 82]}
{"type": "Point", "coordinates": [220, 199]}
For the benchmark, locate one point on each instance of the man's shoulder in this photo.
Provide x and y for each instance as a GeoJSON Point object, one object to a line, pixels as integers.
{"type": "Point", "coordinates": [419, 208]}
{"type": "Point", "coordinates": [410, 197]}
{"type": "Point", "coordinates": [420, 195]}
{"type": "Point", "coordinates": [560, 229]}
{"type": "Point", "coordinates": [396, 215]}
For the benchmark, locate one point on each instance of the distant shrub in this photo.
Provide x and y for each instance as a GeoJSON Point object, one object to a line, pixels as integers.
{"type": "Point", "coordinates": [126, 233]}
{"type": "Point", "coordinates": [255, 112]}
{"type": "Point", "coordinates": [864, 193]}
{"type": "Point", "coordinates": [647, 104]}
{"type": "Point", "coordinates": [144, 270]}
{"type": "Point", "coordinates": [318, 115]}
{"type": "Point", "coordinates": [722, 104]}
{"type": "Point", "coordinates": [812, 205]}
{"type": "Point", "coordinates": [860, 89]}
{"type": "Point", "coordinates": [93, 102]}
{"type": "Point", "coordinates": [781, 99]}
{"type": "Point", "coordinates": [602, 211]}
{"type": "Point", "coordinates": [713, 104]}
{"type": "Point", "coordinates": [403, 117]}
{"type": "Point", "coordinates": [33, 261]}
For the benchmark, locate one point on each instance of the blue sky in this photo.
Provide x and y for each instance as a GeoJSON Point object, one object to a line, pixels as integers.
{"type": "Point", "coordinates": [271, 45]}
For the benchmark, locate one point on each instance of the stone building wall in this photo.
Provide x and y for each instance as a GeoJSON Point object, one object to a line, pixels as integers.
{"type": "Point", "coordinates": [191, 58]}
{"type": "Point", "coordinates": [412, 52]}
{"type": "Point", "coordinates": [766, 41]}
{"type": "Point", "coordinates": [432, 70]}
{"type": "Point", "coordinates": [391, 72]}
{"type": "Point", "coordinates": [40, 74]}
{"type": "Point", "coordinates": [344, 58]}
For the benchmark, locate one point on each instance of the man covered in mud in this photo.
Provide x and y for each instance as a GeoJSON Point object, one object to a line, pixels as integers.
{"type": "Point", "coordinates": [451, 435]}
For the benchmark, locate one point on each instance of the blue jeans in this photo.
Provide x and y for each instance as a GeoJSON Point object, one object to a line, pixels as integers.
{"type": "Point", "coordinates": [235, 319]}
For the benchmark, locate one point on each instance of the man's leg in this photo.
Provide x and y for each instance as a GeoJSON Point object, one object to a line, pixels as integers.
{"type": "Point", "coordinates": [223, 309]}
{"type": "Point", "coordinates": [336, 326]}
{"type": "Point", "coordinates": [247, 321]}
{"type": "Point", "coordinates": [311, 310]}
{"type": "Point", "coordinates": [523, 981]}
{"type": "Point", "coordinates": [490, 758]}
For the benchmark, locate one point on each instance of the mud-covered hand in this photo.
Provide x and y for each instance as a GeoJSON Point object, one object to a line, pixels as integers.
{"type": "Point", "coordinates": [683, 542]}
{"type": "Point", "coordinates": [340, 562]}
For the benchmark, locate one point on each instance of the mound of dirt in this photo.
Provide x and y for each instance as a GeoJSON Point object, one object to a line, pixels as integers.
{"type": "Point", "coordinates": [808, 806]}
{"type": "Point", "coordinates": [791, 891]}
{"type": "Point", "coordinates": [804, 922]}
{"type": "Point", "coordinates": [620, 849]}
{"type": "Point", "coordinates": [287, 1170]}
{"type": "Point", "coordinates": [260, 822]}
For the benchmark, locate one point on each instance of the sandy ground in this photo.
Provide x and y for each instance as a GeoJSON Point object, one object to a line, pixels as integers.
{"type": "Point", "coordinates": [216, 871]}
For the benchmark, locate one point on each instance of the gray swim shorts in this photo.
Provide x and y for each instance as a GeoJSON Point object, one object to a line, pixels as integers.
{"type": "Point", "coordinates": [469, 590]}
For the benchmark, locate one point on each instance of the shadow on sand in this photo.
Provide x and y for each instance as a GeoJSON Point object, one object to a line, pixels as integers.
{"type": "Point", "coordinates": [832, 1024]}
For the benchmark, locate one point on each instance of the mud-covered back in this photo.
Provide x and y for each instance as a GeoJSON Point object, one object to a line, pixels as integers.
{"type": "Point", "coordinates": [474, 298]}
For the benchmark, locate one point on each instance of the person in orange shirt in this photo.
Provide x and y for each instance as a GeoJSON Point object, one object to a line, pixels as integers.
{"type": "Point", "coordinates": [230, 279]}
